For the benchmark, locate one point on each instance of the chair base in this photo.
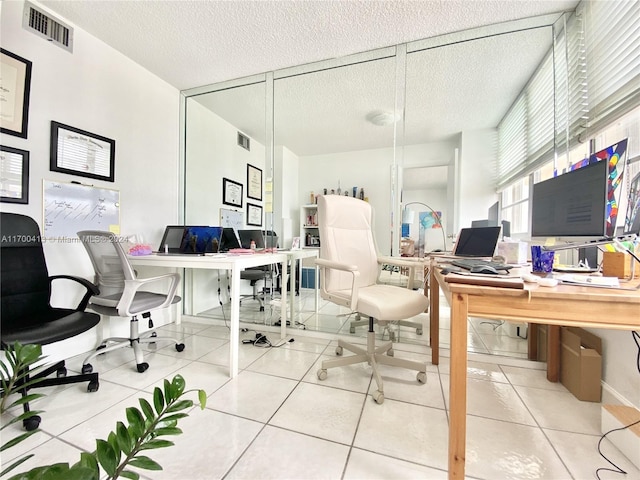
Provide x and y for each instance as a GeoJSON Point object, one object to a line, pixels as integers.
{"type": "Point", "coordinates": [41, 380]}
{"type": "Point", "coordinates": [134, 341]}
{"type": "Point", "coordinates": [373, 355]}
{"type": "Point", "coordinates": [403, 323]}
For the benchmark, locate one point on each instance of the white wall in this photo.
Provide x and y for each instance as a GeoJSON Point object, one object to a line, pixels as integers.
{"type": "Point", "coordinates": [101, 91]}
{"type": "Point", "coordinates": [368, 169]}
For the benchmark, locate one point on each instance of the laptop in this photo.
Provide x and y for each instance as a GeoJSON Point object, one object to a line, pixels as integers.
{"type": "Point", "coordinates": [229, 239]}
{"type": "Point", "coordinates": [190, 240]}
{"type": "Point", "coordinates": [247, 235]}
{"type": "Point", "coordinates": [477, 242]}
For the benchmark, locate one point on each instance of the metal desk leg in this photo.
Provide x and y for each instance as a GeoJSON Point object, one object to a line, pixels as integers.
{"type": "Point", "coordinates": [234, 336]}
{"type": "Point", "coordinates": [283, 301]}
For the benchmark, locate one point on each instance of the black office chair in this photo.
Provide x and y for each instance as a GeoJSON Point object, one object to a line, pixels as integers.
{"type": "Point", "coordinates": [27, 315]}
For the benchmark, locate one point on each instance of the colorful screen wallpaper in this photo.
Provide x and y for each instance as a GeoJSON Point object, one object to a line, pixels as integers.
{"type": "Point", "coordinates": [615, 156]}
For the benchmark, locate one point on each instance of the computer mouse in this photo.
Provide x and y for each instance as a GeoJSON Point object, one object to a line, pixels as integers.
{"type": "Point", "coordinates": [484, 269]}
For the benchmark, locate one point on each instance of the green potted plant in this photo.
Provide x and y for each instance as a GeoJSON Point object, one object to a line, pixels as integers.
{"type": "Point", "coordinates": [146, 428]}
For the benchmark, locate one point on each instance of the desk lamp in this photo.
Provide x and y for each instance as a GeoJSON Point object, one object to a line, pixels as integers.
{"type": "Point", "coordinates": [408, 216]}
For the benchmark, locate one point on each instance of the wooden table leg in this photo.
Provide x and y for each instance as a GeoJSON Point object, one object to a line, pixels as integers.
{"type": "Point", "coordinates": [434, 317]}
{"type": "Point", "coordinates": [553, 353]}
{"type": "Point", "coordinates": [532, 342]}
{"type": "Point", "coordinates": [458, 386]}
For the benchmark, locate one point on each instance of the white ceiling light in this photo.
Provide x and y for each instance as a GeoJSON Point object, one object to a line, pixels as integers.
{"type": "Point", "coordinates": [382, 119]}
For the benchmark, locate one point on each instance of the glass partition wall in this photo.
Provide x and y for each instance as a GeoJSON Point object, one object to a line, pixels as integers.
{"type": "Point", "coordinates": [410, 123]}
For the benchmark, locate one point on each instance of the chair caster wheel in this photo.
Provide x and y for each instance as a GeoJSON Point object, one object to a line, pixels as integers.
{"type": "Point", "coordinates": [262, 309]}
{"type": "Point", "coordinates": [418, 331]}
{"type": "Point", "coordinates": [378, 397]}
{"type": "Point", "coordinates": [93, 386]}
{"type": "Point", "coordinates": [390, 352]}
{"type": "Point", "coordinates": [352, 330]}
{"type": "Point", "coordinates": [31, 423]}
{"type": "Point", "coordinates": [338, 351]}
{"type": "Point", "coordinates": [179, 347]}
{"type": "Point", "coordinates": [61, 372]}
{"type": "Point", "coordinates": [88, 368]}
{"type": "Point", "coordinates": [322, 374]}
{"type": "Point", "coordinates": [421, 377]}
{"type": "Point", "coordinates": [142, 367]}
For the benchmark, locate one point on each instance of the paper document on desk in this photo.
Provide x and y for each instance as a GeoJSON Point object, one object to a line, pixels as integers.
{"type": "Point", "coordinates": [589, 281]}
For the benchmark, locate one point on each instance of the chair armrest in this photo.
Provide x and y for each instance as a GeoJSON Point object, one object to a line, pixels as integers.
{"type": "Point", "coordinates": [404, 262]}
{"type": "Point", "coordinates": [90, 287]}
{"type": "Point", "coordinates": [131, 287]}
{"type": "Point", "coordinates": [335, 265]}
{"type": "Point", "coordinates": [353, 269]}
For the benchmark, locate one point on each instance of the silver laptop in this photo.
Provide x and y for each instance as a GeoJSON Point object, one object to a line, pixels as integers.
{"type": "Point", "coordinates": [477, 242]}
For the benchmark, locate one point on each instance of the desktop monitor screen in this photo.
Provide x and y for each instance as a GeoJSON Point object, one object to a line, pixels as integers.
{"type": "Point", "coordinates": [572, 204]}
{"type": "Point", "coordinates": [202, 239]}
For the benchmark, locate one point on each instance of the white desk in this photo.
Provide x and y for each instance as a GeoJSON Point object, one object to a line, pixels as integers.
{"type": "Point", "coordinates": [235, 264]}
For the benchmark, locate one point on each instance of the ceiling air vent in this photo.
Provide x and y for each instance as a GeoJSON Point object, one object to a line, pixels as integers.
{"type": "Point", "coordinates": [47, 27]}
{"type": "Point", "coordinates": [244, 141]}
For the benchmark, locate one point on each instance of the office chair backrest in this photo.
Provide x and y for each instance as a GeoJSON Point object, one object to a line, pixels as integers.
{"type": "Point", "coordinates": [270, 239]}
{"type": "Point", "coordinates": [24, 276]}
{"type": "Point", "coordinates": [109, 261]}
{"type": "Point", "coordinates": [346, 236]}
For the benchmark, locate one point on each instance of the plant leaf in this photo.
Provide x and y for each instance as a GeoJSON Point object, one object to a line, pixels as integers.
{"type": "Point", "coordinates": [145, 462]}
{"type": "Point", "coordinates": [16, 440]}
{"type": "Point", "coordinates": [113, 441]}
{"type": "Point", "coordinates": [180, 405]}
{"type": "Point", "coordinates": [124, 441]}
{"type": "Point", "coordinates": [168, 391]}
{"type": "Point", "coordinates": [158, 400]}
{"type": "Point", "coordinates": [171, 420]}
{"type": "Point", "coordinates": [136, 421]}
{"type": "Point", "coordinates": [146, 408]}
{"type": "Point", "coordinates": [130, 474]}
{"type": "Point", "coordinates": [88, 460]}
{"type": "Point", "coordinates": [24, 399]}
{"type": "Point", "coordinates": [167, 431]}
{"type": "Point", "coordinates": [106, 457]}
{"type": "Point", "coordinates": [15, 464]}
{"type": "Point", "coordinates": [178, 385]}
{"type": "Point", "coordinates": [156, 443]}
{"type": "Point", "coordinates": [202, 398]}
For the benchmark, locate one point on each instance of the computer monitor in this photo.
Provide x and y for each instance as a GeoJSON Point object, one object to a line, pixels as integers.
{"type": "Point", "coordinates": [229, 239]}
{"type": "Point", "coordinates": [190, 239]}
{"type": "Point", "coordinates": [572, 204]}
{"type": "Point", "coordinates": [477, 242]}
{"type": "Point", "coordinates": [247, 235]}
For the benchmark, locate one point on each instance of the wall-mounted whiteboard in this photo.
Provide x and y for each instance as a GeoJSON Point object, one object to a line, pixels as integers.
{"type": "Point", "coordinates": [231, 218]}
{"type": "Point", "coordinates": [71, 207]}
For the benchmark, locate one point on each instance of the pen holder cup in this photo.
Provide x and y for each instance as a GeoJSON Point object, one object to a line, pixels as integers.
{"type": "Point", "coordinates": [541, 260]}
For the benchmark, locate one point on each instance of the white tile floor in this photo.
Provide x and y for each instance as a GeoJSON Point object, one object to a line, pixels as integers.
{"type": "Point", "coordinates": [277, 420]}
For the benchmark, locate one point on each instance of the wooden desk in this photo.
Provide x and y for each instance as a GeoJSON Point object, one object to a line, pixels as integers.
{"type": "Point", "coordinates": [562, 305]}
{"type": "Point", "coordinates": [235, 264]}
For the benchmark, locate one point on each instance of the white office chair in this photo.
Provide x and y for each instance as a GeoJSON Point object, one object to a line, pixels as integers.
{"type": "Point", "coordinates": [121, 295]}
{"type": "Point", "coordinates": [349, 270]}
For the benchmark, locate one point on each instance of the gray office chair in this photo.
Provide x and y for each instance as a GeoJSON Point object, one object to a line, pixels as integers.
{"type": "Point", "coordinates": [264, 274]}
{"type": "Point", "coordinates": [121, 295]}
{"type": "Point", "coordinates": [349, 270]}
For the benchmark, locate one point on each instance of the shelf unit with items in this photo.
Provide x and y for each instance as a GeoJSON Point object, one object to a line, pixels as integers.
{"type": "Point", "coordinates": [309, 233]}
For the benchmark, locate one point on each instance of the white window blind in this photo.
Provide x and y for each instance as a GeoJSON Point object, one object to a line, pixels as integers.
{"type": "Point", "coordinates": [612, 42]}
{"type": "Point", "coordinates": [525, 134]}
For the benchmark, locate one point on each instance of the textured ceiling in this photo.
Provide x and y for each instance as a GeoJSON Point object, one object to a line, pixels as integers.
{"type": "Point", "coordinates": [459, 87]}
{"type": "Point", "coordinates": [194, 43]}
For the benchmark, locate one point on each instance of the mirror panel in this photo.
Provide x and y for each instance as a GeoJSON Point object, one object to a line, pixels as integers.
{"type": "Point", "coordinates": [416, 122]}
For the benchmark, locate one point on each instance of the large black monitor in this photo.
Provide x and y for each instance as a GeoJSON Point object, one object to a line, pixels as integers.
{"type": "Point", "coordinates": [572, 204]}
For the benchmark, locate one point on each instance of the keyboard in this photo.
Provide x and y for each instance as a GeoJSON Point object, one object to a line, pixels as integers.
{"type": "Point", "coordinates": [469, 263]}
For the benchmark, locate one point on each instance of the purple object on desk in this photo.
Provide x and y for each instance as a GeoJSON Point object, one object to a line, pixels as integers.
{"type": "Point", "coordinates": [541, 260]}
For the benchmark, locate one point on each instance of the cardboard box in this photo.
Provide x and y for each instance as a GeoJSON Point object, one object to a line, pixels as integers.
{"type": "Point", "coordinates": [616, 264]}
{"type": "Point", "coordinates": [513, 252]}
{"type": "Point", "coordinates": [581, 363]}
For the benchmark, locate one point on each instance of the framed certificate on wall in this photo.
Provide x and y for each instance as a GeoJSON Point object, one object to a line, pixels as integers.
{"type": "Point", "coordinates": [231, 193]}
